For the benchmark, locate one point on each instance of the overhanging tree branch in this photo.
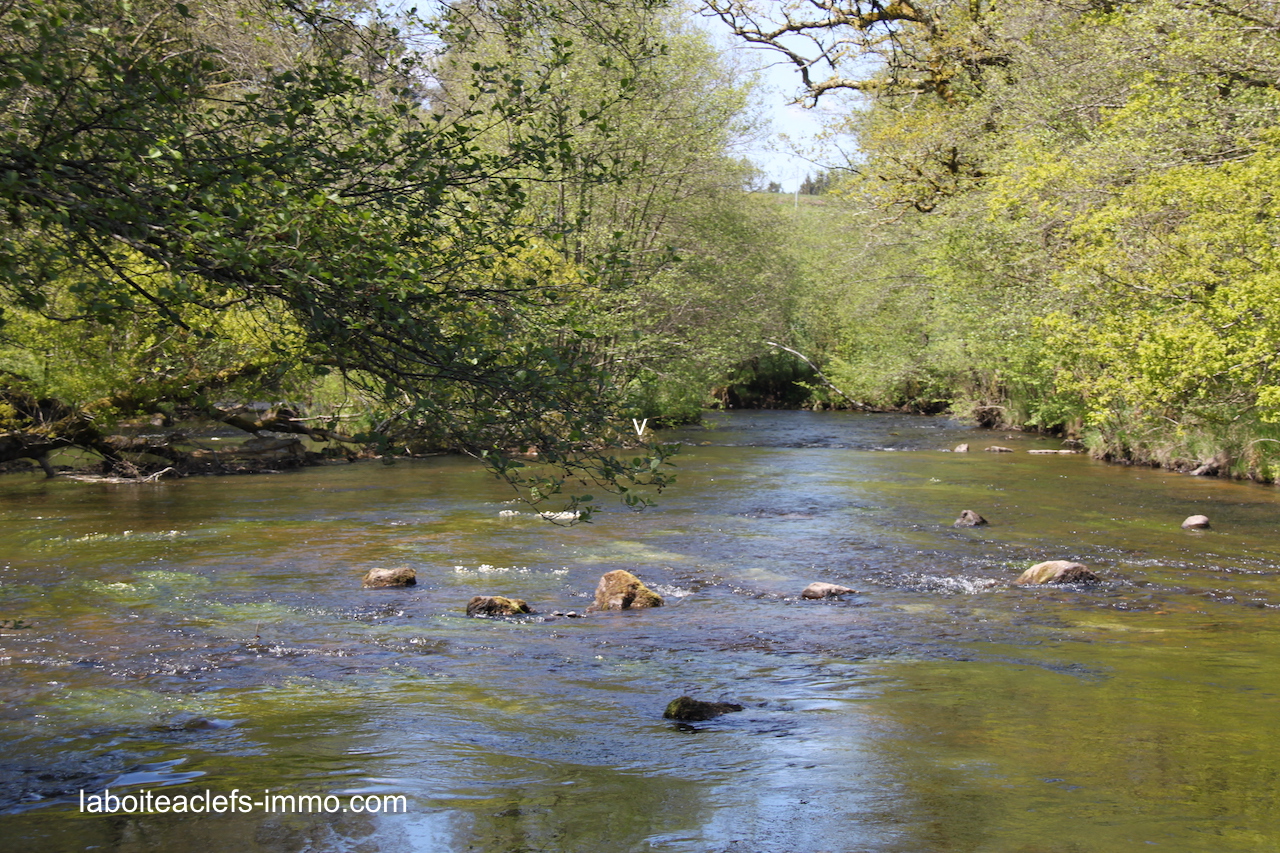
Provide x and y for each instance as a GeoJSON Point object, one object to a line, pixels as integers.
{"type": "Point", "coordinates": [822, 376]}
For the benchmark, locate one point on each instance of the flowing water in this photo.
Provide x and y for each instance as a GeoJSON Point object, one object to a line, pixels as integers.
{"type": "Point", "coordinates": [210, 637]}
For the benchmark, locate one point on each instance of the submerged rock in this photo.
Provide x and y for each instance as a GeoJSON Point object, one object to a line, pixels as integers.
{"type": "Point", "coordinates": [496, 605]}
{"type": "Point", "coordinates": [1057, 571]}
{"type": "Point", "coordinates": [621, 590]}
{"type": "Point", "coordinates": [820, 589]}
{"type": "Point", "coordinates": [401, 576]}
{"type": "Point", "coordinates": [689, 709]}
{"type": "Point", "coordinates": [1196, 522]}
{"type": "Point", "coordinates": [995, 448]}
{"type": "Point", "coordinates": [196, 724]}
{"type": "Point", "coordinates": [969, 518]}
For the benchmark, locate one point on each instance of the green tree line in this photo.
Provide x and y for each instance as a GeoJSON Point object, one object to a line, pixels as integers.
{"type": "Point", "coordinates": [1060, 215]}
{"type": "Point", "coordinates": [502, 230]}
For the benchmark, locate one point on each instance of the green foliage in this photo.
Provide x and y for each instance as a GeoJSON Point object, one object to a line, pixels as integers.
{"type": "Point", "coordinates": [1064, 217]}
{"type": "Point", "coordinates": [1157, 219]}
{"type": "Point", "coordinates": [773, 380]}
{"type": "Point", "coordinates": [266, 190]}
{"type": "Point", "coordinates": [679, 334]}
{"type": "Point", "coordinates": [707, 277]}
{"type": "Point", "coordinates": [91, 364]}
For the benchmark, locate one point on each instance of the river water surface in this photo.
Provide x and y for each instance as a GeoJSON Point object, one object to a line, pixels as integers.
{"type": "Point", "coordinates": [211, 635]}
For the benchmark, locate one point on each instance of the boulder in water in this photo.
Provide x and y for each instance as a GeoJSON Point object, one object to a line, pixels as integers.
{"type": "Point", "coordinates": [961, 448]}
{"type": "Point", "coordinates": [969, 518]}
{"type": "Point", "coordinates": [400, 576]}
{"type": "Point", "coordinates": [621, 590]}
{"type": "Point", "coordinates": [496, 605]}
{"type": "Point", "coordinates": [1057, 571]}
{"type": "Point", "coordinates": [995, 448]}
{"type": "Point", "coordinates": [1196, 522]}
{"type": "Point", "coordinates": [688, 709]}
{"type": "Point", "coordinates": [820, 589]}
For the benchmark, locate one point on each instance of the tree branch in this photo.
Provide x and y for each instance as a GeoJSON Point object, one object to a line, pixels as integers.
{"type": "Point", "coordinates": [852, 402]}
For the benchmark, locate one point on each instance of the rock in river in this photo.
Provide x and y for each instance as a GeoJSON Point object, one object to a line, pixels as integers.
{"type": "Point", "coordinates": [819, 589]}
{"type": "Point", "coordinates": [496, 605]}
{"type": "Point", "coordinates": [621, 590]}
{"type": "Point", "coordinates": [1057, 571]}
{"type": "Point", "coordinates": [969, 518]}
{"type": "Point", "coordinates": [692, 710]}
{"type": "Point", "coordinates": [1196, 522]}
{"type": "Point", "coordinates": [401, 576]}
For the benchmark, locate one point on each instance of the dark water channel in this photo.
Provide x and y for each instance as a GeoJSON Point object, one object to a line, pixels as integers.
{"type": "Point", "coordinates": [212, 635]}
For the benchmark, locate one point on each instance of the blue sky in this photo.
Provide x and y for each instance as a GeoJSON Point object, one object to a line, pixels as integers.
{"type": "Point", "coordinates": [794, 127]}
{"type": "Point", "coordinates": [793, 150]}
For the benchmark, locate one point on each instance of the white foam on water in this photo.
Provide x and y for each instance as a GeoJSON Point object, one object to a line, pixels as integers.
{"type": "Point", "coordinates": [573, 515]}
{"type": "Point", "coordinates": [669, 591]}
{"type": "Point", "coordinates": [486, 569]}
{"type": "Point", "coordinates": [957, 586]}
{"type": "Point", "coordinates": [561, 516]}
{"type": "Point", "coordinates": [127, 534]}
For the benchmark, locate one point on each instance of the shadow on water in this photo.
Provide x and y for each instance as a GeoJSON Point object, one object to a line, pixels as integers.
{"type": "Point", "coordinates": [211, 635]}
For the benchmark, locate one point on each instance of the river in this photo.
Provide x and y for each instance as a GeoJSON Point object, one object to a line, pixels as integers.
{"type": "Point", "coordinates": [209, 637]}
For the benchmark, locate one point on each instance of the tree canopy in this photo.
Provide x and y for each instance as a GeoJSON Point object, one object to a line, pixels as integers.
{"type": "Point", "coordinates": [1063, 213]}
{"type": "Point", "coordinates": [504, 230]}
{"type": "Point", "coordinates": [258, 193]}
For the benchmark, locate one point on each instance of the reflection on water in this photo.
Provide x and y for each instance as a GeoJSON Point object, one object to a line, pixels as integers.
{"type": "Point", "coordinates": [211, 634]}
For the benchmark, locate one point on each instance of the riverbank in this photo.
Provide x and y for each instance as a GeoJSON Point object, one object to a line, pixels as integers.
{"type": "Point", "coordinates": [1238, 452]}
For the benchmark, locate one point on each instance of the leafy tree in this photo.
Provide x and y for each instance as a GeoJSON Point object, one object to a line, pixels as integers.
{"type": "Point", "coordinates": [1078, 197]}
{"type": "Point", "coordinates": [709, 277]}
{"type": "Point", "coordinates": [159, 165]}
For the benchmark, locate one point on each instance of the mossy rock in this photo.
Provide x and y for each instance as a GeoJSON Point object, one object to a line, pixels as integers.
{"type": "Point", "coordinates": [688, 709]}
{"type": "Point", "coordinates": [621, 590]}
{"type": "Point", "coordinates": [1057, 571]}
{"type": "Point", "coordinates": [496, 605]}
{"type": "Point", "coordinates": [969, 518]}
{"type": "Point", "coordinates": [821, 589]}
{"type": "Point", "coordinates": [379, 578]}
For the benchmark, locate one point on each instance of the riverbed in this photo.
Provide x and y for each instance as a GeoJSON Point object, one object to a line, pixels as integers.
{"type": "Point", "coordinates": [209, 637]}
